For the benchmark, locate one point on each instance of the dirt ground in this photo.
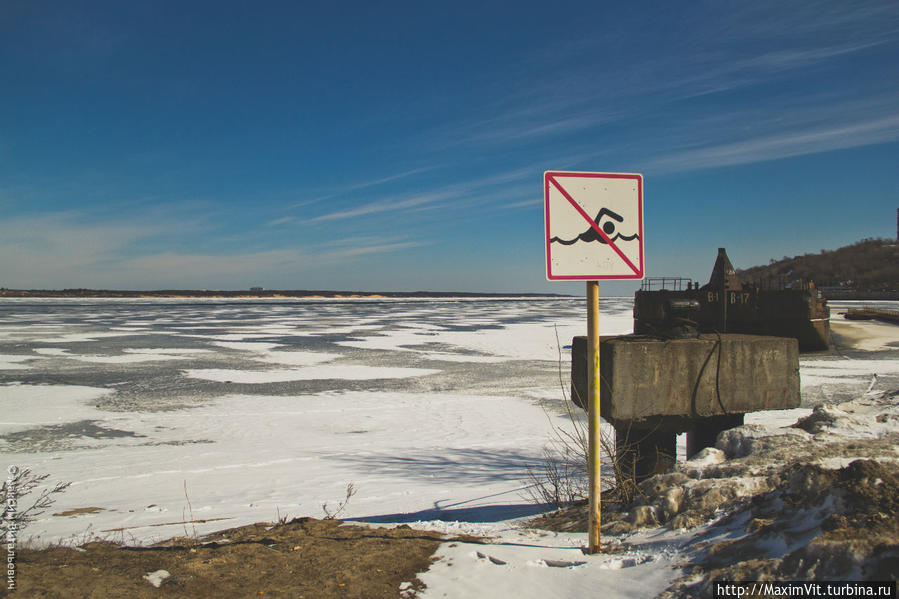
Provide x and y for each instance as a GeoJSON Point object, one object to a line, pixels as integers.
{"type": "Point", "coordinates": [303, 558]}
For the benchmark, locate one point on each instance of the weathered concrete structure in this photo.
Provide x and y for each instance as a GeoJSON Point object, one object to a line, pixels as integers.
{"type": "Point", "coordinates": [654, 388]}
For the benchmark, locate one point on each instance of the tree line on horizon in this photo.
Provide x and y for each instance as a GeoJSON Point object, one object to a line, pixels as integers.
{"type": "Point", "coordinates": [871, 264]}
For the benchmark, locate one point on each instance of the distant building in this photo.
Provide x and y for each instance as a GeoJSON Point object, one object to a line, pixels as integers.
{"type": "Point", "coordinates": [257, 289]}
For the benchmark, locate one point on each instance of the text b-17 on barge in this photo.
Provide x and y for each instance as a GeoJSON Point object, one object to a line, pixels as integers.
{"type": "Point", "coordinates": [728, 305]}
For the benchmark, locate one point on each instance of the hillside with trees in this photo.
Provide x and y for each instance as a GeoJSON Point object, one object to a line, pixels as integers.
{"type": "Point", "coordinates": [868, 265]}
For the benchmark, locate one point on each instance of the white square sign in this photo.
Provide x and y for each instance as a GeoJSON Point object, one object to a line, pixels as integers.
{"type": "Point", "coordinates": [594, 225]}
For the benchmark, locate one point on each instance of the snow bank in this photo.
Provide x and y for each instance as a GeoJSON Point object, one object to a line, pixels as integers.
{"type": "Point", "coordinates": [816, 500]}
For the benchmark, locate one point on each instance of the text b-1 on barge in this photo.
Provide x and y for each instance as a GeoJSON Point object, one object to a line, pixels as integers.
{"type": "Point", "coordinates": [728, 305]}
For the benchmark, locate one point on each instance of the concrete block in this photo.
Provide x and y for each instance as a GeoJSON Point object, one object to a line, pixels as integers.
{"type": "Point", "coordinates": [671, 383]}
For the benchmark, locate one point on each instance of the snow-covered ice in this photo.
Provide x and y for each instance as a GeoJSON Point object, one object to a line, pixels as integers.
{"type": "Point", "coordinates": [28, 406]}
{"type": "Point", "coordinates": [15, 362]}
{"type": "Point", "coordinates": [263, 407]}
{"type": "Point", "coordinates": [349, 372]}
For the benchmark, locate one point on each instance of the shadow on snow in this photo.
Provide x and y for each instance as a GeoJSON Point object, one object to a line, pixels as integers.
{"type": "Point", "coordinates": [453, 466]}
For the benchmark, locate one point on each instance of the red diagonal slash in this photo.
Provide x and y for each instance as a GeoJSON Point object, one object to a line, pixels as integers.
{"type": "Point", "coordinates": [596, 228]}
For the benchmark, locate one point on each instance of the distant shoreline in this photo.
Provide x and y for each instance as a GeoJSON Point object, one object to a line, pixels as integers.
{"type": "Point", "coordinates": [245, 294]}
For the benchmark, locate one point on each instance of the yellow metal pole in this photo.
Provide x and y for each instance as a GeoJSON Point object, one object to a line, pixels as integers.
{"type": "Point", "coordinates": [593, 387]}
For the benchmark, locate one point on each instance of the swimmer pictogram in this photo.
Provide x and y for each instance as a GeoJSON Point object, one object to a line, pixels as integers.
{"type": "Point", "coordinates": [608, 227]}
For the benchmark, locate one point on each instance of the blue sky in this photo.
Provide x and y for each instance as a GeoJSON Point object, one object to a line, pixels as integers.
{"type": "Point", "coordinates": [401, 145]}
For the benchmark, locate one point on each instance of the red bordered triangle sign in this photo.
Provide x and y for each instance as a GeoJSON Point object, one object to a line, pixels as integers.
{"type": "Point", "coordinates": [594, 225]}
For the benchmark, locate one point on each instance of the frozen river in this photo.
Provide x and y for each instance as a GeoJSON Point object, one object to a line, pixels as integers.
{"type": "Point", "coordinates": [431, 408]}
{"type": "Point", "coordinates": [158, 355]}
{"type": "Point", "coordinates": [267, 407]}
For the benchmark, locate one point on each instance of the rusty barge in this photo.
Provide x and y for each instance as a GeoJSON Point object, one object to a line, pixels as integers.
{"type": "Point", "coordinates": [726, 304]}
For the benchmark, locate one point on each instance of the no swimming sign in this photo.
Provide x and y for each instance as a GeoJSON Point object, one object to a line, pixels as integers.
{"type": "Point", "coordinates": [594, 231]}
{"type": "Point", "coordinates": [594, 225]}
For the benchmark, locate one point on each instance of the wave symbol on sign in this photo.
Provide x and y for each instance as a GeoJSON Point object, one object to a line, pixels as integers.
{"type": "Point", "coordinates": [608, 227]}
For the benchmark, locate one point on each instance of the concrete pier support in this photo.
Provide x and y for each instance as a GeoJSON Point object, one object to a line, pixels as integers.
{"type": "Point", "coordinates": [642, 452]}
{"type": "Point", "coordinates": [705, 431]}
{"type": "Point", "coordinates": [653, 388]}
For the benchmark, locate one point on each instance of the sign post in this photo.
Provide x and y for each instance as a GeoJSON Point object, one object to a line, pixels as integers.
{"type": "Point", "coordinates": [594, 231]}
{"type": "Point", "coordinates": [594, 517]}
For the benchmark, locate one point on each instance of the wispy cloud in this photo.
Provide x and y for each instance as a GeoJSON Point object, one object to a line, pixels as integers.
{"type": "Point", "coordinates": [818, 19]}
{"type": "Point", "coordinates": [730, 49]}
{"type": "Point", "coordinates": [362, 185]}
{"type": "Point", "coordinates": [788, 59]}
{"type": "Point", "coordinates": [789, 140]}
{"type": "Point", "coordinates": [209, 270]}
{"type": "Point", "coordinates": [524, 203]}
{"type": "Point", "coordinates": [240, 269]}
{"type": "Point", "coordinates": [281, 221]}
{"type": "Point", "coordinates": [554, 118]}
{"type": "Point", "coordinates": [65, 250]}
{"type": "Point", "coordinates": [382, 180]}
{"type": "Point", "coordinates": [65, 247]}
{"type": "Point", "coordinates": [706, 76]}
{"type": "Point", "coordinates": [453, 196]}
{"type": "Point", "coordinates": [65, 234]}
{"type": "Point", "coordinates": [365, 250]}
{"type": "Point", "coordinates": [386, 205]}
